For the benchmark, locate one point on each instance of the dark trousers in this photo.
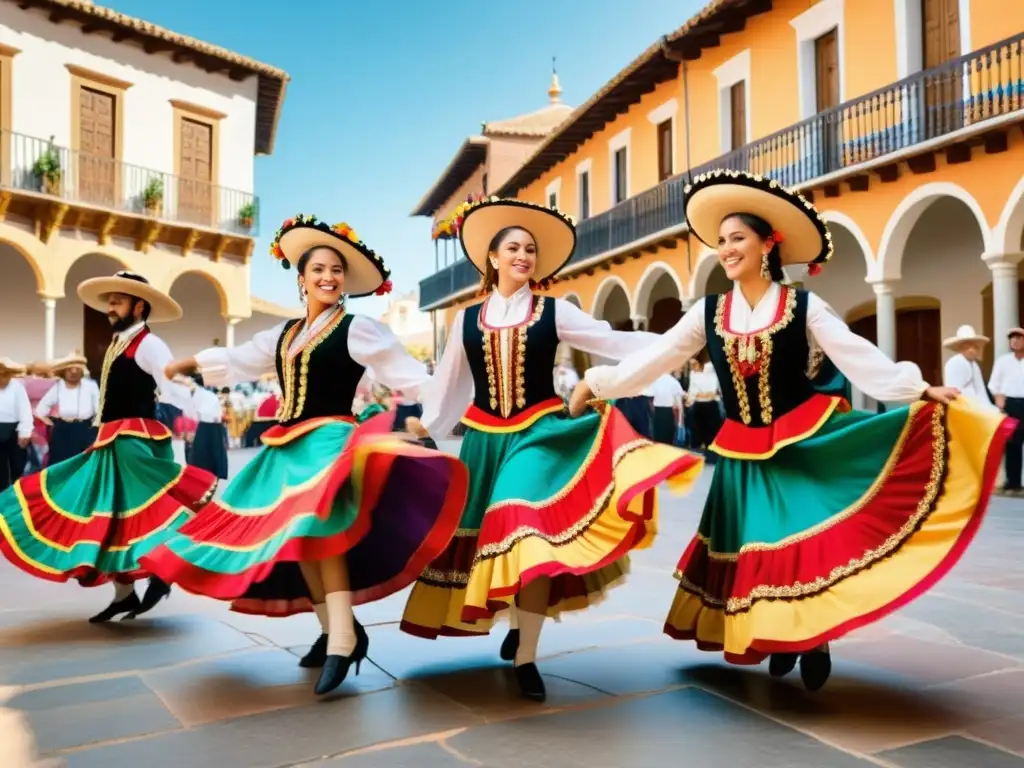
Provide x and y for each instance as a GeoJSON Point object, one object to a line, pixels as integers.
{"type": "Point", "coordinates": [664, 425]}
{"type": "Point", "coordinates": [12, 456]}
{"type": "Point", "coordinates": [1015, 445]}
{"type": "Point", "coordinates": [707, 420]}
{"type": "Point", "coordinates": [639, 412]}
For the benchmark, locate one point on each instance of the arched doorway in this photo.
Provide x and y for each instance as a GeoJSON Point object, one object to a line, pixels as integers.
{"type": "Point", "coordinates": [659, 297]}
{"type": "Point", "coordinates": [918, 335]}
{"type": "Point", "coordinates": [202, 323]}
{"type": "Point", "coordinates": [25, 340]}
{"type": "Point", "coordinates": [611, 303]}
{"type": "Point", "coordinates": [81, 327]}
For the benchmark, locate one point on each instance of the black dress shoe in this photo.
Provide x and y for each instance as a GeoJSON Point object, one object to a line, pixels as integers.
{"type": "Point", "coordinates": [531, 684]}
{"type": "Point", "coordinates": [510, 645]}
{"type": "Point", "coordinates": [336, 667]}
{"type": "Point", "coordinates": [781, 664]}
{"type": "Point", "coordinates": [155, 592]}
{"type": "Point", "coordinates": [317, 654]}
{"type": "Point", "coordinates": [815, 668]}
{"type": "Point", "coordinates": [127, 605]}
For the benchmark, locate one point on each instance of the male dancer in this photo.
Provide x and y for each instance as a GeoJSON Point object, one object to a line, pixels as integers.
{"type": "Point", "coordinates": [92, 516]}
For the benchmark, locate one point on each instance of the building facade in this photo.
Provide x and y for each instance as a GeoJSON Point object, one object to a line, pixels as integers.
{"type": "Point", "coordinates": [124, 145]}
{"type": "Point", "coordinates": [414, 328]}
{"type": "Point", "coordinates": [482, 164]}
{"type": "Point", "coordinates": [901, 119]}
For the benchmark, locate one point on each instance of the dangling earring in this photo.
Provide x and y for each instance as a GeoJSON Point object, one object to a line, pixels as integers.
{"type": "Point", "coordinates": [302, 293]}
{"type": "Point", "coordinates": [765, 272]}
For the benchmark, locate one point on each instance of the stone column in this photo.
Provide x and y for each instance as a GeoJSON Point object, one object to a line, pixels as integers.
{"type": "Point", "coordinates": [51, 327]}
{"type": "Point", "coordinates": [229, 333]}
{"type": "Point", "coordinates": [1005, 312]}
{"type": "Point", "coordinates": [639, 322]}
{"type": "Point", "coordinates": [885, 318]}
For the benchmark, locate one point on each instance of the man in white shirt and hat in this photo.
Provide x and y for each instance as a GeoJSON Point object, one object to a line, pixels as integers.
{"type": "Point", "coordinates": [1007, 387]}
{"type": "Point", "coordinates": [15, 422]}
{"type": "Point", "coordinates": [69, 408]}
{"type": "Point", "coordinates": [962, 370]}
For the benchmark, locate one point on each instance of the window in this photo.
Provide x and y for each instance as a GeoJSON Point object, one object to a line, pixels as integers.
{"type": "Point", "coordinates": [196, 144]}
{"type": "Point", "coordinates": [664, 150]}
{"type": "Point", "coordinates": [584, 181]}
{"type": "Point", "coordinates": [819, 56]}
{"type": "Point", "coordinates": [553, 193]}
{"type": "Point", "coordinates": [738, 114]}
{"type": "Point", "coordinates": [734, 101]}
{"type": "Point", "coordinates": [97, 130]}
{"type": "Point", "coordinates": [620, 175]}
{"type": "Point", "coordinates": [618, 166]}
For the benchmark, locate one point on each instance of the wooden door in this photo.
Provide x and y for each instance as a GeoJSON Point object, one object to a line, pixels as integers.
{"type": "Point", "coordinates": [96, 335]}
{"type": "Point", "coordinates": [826, 78]}
{"type": "Point", "coordinates": [738, 114]}
{"type": "Point", "coordinates": [940, 22]}
{"type": "Point", "coordinates": [97, 166]}
{"type": "Point", "coordinates": [919, 340]}
{"type": "Point", "coordinates": [195, 183]}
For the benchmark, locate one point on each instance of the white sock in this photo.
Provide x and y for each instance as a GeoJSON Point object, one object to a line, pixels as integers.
{"type": "Point", "coordinates": [513, 616]}
{"type": "Point", "coordinates": [529, 635]}
{"type": "Point", "coordinates": [341, 633]}
{"type": "Point", "coordinates": [321, 613]}
{"type": "Point", "coordinates": [121, 591]}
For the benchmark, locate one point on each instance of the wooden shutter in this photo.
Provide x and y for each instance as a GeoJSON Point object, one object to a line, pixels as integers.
{"type": "Point", "coordinates": [195, 190]}
{"type": "Point", "coordinates": [664, 150]}
{"type": "Point", "coordinates": [738, 114]}
{"type": "Point", "coordinates": [96, 162]}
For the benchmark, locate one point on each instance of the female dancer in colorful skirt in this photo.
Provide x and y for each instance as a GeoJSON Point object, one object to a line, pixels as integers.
{"type": "Point", "coordinates": [555, 504]}
{"type": "Point", "coordinates": [92, 516]}
{"type": "Point", "coordinates": [361, 510]}
{"type": "Point", "coordinates": [819, 519]}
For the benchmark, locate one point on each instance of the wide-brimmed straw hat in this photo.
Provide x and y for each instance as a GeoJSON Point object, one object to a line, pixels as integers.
{"type": "Point", "coordinates": [10, 366]}
{"type": "Point", "coordinates": [365, 273]}
{"type": "Point", "coordinates": [71, 360]}
{"type": "Point", "coordinates": [804, 236]}
{"type": "Point", "coordinates": [965, 334]}
{"type": "Point", "coordinates": [95, 292]}
{"type": "Point", "coordinates": [552, 230]}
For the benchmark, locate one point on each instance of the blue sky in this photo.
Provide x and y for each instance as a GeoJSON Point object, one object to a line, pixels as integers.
{"type": "Point", "coordinates": [383, 94]}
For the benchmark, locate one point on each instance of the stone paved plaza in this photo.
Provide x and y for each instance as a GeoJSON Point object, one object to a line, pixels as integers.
{"type": "Point", "coordinates": [940, 684]}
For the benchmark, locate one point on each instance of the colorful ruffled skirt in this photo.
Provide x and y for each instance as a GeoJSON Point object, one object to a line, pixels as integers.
{"type": "Point", "coordinates": [94, 516]}
{"type": "Point", "coordinates": [320, 488]}
{"type": "Point", "coordinates": [563, 498]}
{"type": "Point", "coordinates": [836, 530]}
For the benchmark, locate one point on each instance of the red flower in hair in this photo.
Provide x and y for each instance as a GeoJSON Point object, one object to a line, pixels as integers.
{"type": "Point", "coordinates": [385, 287]}
{"type": "Point", "coordinates": [288, 223]}
{"type": "Point", "coordinates": [776, 237]}
{"type": "Point", "coordinates": [814, 270]}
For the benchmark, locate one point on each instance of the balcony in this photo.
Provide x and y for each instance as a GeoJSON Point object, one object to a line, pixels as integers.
{"type": "Point", "coordinates": [60, 187]}
{"type": "Point", "coordinates": [960, 99]}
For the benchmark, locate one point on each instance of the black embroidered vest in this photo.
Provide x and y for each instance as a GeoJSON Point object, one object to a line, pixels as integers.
{"type": "Point", "coordinates": [765, 374]}
{"type": "Point", "coordinates": [126, 391]}
{"type": "Point", "coordinates": [321, 378]}
{"type": "Point", "coordinates": [510, 383]}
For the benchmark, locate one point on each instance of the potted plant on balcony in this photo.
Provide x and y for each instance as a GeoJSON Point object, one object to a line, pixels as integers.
{"type": "Point", "coordinates": [47, 169]}
{"type": "Point", "coordinates": [153, 196]}
{"type": "Point", "coordinates": [246, 215]}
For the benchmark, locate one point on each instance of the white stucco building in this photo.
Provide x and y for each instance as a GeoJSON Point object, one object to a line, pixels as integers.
{"type": "Point", "coordinates": [126, 145]}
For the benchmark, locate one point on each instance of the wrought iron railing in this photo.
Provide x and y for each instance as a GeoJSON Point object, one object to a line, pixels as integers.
{"type": "Point", "coordinates": [984, 84]}
{"type": "Point", "coordinates": [37, 165]}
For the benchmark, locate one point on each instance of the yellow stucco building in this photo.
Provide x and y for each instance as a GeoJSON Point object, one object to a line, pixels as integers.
{"type": "Point", "coordinates": [900, 118]}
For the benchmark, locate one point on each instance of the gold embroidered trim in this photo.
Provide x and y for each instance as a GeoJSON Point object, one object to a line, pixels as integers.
{"type": "Point", "coordinates": [750, 347]}
{"type": "Point", "coordinates": [451, 579]}
{"type": "Point", "coordinates": [114, 350]}
{"type": "Point", "coordinates": [814, 361]}
{"type": "Point", "coordinates": [892, 543]}
{"type": "Point", "coordinates": [506, 348]}
{"type": "Point", "coordinates": [294, 401]}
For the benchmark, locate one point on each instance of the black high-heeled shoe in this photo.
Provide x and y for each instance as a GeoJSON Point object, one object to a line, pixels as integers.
{"type": "Point", "coordinates": [336, 667]}
{"type": "Point", "coordinates": [127, 605]}
{"type": "Point", "coordinates": [815, 669]}
{"type": "Point", "coordinates": [510, 645]}
{"type": "Point", "coordinates": [531, 684]}
{"type": "Point", "coordinates": [781, 664]}
{"type": "Point", "coordinates": [317, 655]}
{"type": "Point", "coordinates": [157, 590]}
